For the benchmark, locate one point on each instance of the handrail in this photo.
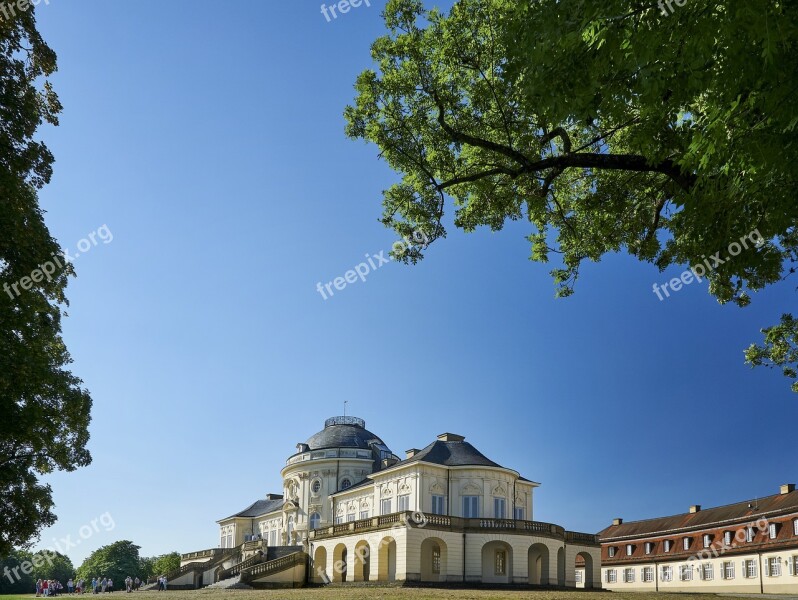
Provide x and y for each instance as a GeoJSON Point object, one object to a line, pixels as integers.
{"type": "Point", "coordinates": [272, 566]}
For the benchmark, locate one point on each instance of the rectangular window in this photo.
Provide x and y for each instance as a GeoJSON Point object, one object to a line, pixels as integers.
{"type": "Point", "coordinates": [501, 562]}
{"type": "Point", "coordinates": [339, 520]}
{"type": "Point", "coordinates": [470, 507]}
{"type": "Point", "coordinates": [795, 527]}
{"type": "Point", "coordinates": [728, 570]}
{"type": "Point", "coordinates": [364, 514]}
{"type": "Point", "coordinates": [774, 567]}
{"type": "Point", "coordinates": [224, 541]}
{"type": "Point", "coordinates": [750, 569]}
{"type": "Point", "coordinates": [727, 538]}
{"type": "Point", "coordinates": [686, 573]}
{"type": "Point", "coordinates": [350, 517]}
{"type": "Point", "coordinates": [630, 549]}
{"type": "Point", "coordinates": [404, 502]}
{"type": "Point", "coordinates": [518, 513]}
{"type": "Point", "coordinates": [666, 574]}
{"type": "Point", "coordinates": [629, 575]}
{"type": "Point", "coordinates": [438, 506]}
{"type": "Point", "coordinates": [707, 540]}
{"type": "Point", "coordinates": [578, 576]}
{"type": "Point", "coordinates": [612, 576]}
{"type": "Point", "coordinates": [793, 562]}
{"type": "Point", "coordinates": [498, 508]}
{"type": "Point", "coordinates": [707, 572]}
{"type": "Point", "coordinates": [436, 560]}
{"type": "Point", "coordinates": [648, 574]}
{"type": "Point", "coordinates": [611, 551]}
{"type": "Point", "coordinates": [772, 531]}
{"type": "Point", "coordinates": [749, 534]}
{"type": "Point", "coordinates": [273, 537]}
{"type": "Point", "coordinates": [385, 506]}
{"type": "Point", "coordinates": [686, 543]}
{"type": "Point", "coordinates": [668, 545]}
{"type": "Point", "coordinates": [649, 547]}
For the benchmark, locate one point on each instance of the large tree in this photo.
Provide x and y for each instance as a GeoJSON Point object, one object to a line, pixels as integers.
{"type": "Point", "coordinates": [665, 131]}
{"type": "Point", "coordinates": [44, 408]}
{"type": "Point", "coordinates": [117, 561]}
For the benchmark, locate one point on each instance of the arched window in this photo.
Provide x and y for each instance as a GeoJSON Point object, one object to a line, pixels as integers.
{"type": "Point", "coordinates": [315, 519]}
{"type": "Point", "coordinates": [345, 483]}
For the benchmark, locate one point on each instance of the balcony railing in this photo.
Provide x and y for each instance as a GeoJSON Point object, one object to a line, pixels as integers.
{"type": "Point", "coordinates": [459, 524]}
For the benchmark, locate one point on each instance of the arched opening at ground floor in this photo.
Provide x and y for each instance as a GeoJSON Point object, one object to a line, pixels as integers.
{"type": "Point", "coordinates": [362, 561]}
{"type": "Point", "coordinates": [339, 563]}
{"type": "Point", "coordinates": [386, 557]}
{"type": "Point", "coordinates": [497, 562]}
{"type": "Point", "coordinates": [320, 565]}
{"type": "Point", "coordinates": [561, 567]}
{"type": "Point", "coordinates": [584, 570]}
{"type": "Point", "coordinates": [538, 564]}
{"type": "Point", "coordinates": [434, 560]}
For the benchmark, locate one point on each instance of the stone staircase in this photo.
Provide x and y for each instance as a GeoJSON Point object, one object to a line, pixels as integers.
{"type": "Point", "coordinates": [231, 583]}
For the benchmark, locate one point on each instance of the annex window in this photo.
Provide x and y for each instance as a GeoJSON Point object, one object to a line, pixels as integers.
{"type": "Point", "coordinates": [612, 576]}
{"type": "Point", "coordinates": [518, 513]}
{"type": "Point", "coordinates": [436, 559]}
{"type": "Point", "coordinates": [339, 520]}
{"type": "Point", "coordinates": [611, 551]}
{"type": "Point", "coordinates": [498, 508]}
{"type": "Point", "coordinates": [385, 506]}
{"type": "Point", "coordinates": [501, 562]}
{"type": "Point", "coordinates": [686, 543]}
{"type": "Point", "coordinates": [666, 574]}
{"type": "Point", "coordinates": [773, 531]}
{"type": "Point", "coordinates": [470, 507]}
{"type": "Point", "coordinates": [686, 573]}
{"type": "Point", "coordinates": [707, 572]}
{"type": "Point", "coordinates": [792, 562]}
{"type": "Point", "coordinates": [578, 576]}
{"type": "Point", "coordinates": [668, 545]}
{"type": "Point", "coordinates": [728, 570]}
{"type": "Point", "coordinates": [749, 568]}
{"type": "Point", "coordinates": [438, 505]}
{"type": "Point", "coordinates": [630, 549]}
{"type": "Point", "coordinates": [649, 547]}
{"type": "Point", "coordinates": [648, 574]}
{"type": "Point", "coordinates": [364, 514]}
{"type": "Point", "coordinates": [404, 502]}
{"type": "Point", "coordinates": [315, 519]}
{"type": "Point", "coordinates": [273, 537]}
{"type": "Point", "coordinates": [707, 540]}
{"type": "Point", "coordinates": [350, 517]}
{"type": "Point", "coordinates": [772, 567]}
{"type": "Point", "coordinates": [629, 575]}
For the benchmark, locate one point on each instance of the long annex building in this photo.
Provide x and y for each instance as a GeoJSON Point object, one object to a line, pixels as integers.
{"type": "Point", "coordinates": [747, 547]}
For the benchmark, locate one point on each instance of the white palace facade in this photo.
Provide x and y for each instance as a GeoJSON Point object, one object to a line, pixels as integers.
{"type": "Point", "coordinates": [351, 510]}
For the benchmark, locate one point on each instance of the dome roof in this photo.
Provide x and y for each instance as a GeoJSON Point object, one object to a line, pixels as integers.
{"type": "Point", "coordinates": [343, 432]}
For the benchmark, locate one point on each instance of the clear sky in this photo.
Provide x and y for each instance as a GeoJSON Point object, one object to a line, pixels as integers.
{"type": "Point", "coordinates": [208, 137]}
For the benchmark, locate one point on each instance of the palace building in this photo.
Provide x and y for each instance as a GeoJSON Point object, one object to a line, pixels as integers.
{"type": "Point", "coordinates": [748, 547]}
{"type": "Point", "coordinates": [351, 510]}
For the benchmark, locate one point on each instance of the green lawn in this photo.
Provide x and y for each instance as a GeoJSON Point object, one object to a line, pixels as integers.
{"type": "Point", "coordinates": [383, 593]}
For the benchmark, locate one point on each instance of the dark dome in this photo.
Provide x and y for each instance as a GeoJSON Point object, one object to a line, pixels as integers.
{"type": "Point", "coordinates": [343, 432]}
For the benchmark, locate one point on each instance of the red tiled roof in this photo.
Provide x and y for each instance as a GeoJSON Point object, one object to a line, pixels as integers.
{"type": "Point", "coordinates": [741, 511]}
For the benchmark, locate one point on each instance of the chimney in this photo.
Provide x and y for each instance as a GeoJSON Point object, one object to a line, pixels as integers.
{"type": "Point", "coordinates": [411, 453]}
{"type": "Point", "coordinates": [695, 508]}
{"type": "Point", "coordinates": [274, 496]}
{"type": "Point", "coordinates": [618, 521]}
{"type": "Point", "coordinates": [451, 437]}
{"type": "Point", "coordinates": [787, 488]}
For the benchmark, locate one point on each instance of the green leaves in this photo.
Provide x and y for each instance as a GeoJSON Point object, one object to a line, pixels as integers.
{"type": "Point", "coordinates": [610, 126]}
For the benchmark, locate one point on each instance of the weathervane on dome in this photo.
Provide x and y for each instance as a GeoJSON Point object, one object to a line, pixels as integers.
{"type": "Point", "coordinates": [345, 401]}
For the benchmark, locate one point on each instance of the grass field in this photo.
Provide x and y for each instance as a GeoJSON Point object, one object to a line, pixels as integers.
{"type": "Point", "coordinates": [386, 593]}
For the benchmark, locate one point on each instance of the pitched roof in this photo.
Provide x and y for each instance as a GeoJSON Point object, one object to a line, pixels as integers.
{"type": "Point", "coordinates": [450, 454]}
{"type": "Point", "coordinates": [258, 508]}
{"type": "Point", "coordinates": [748, 509]}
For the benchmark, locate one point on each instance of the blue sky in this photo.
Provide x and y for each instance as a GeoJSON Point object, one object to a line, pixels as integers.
{"type": "Point", "coordinates": [208, 137]}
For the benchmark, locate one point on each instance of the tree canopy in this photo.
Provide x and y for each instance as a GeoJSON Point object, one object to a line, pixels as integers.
{"type": "Point", "coordinates": [664, 131]}
{"type": "Point", "coordinates": [44, 406]}
{"type": "Point", "coordinates": [117, 561]}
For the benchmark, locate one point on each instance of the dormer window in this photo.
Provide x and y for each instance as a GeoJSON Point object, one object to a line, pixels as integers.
{"type": "Point", "coordinates": [649, 547]}
{"type": "Point", "coordinates": [795, 527]}
{"type": "Point", "coordinates": [686, 543]}
{"type": "Point", "coordinates": [773, 531]}
{"type": "Point", "coordinates": [668, 545]}
{"type": "Point", "coordinates": [611, 551]}
{"type": "Point", "coordinates": [727, 538]}
{"type": "Point", "coordinates": [707, 540]}
{"type": "Point", "coordinates": [630, 548]}
{"type": "Point", "coordinates": [749, 534]}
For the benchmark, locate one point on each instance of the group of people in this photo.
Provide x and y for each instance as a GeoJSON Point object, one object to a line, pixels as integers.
{"type": "Point", "coordinates": [49, 587]}
{"type": "Point", "coordinates": [162, 583]}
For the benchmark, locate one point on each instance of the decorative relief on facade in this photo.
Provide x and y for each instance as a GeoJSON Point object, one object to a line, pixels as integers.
{"type": "Point", "coordinates": [470, 488]}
